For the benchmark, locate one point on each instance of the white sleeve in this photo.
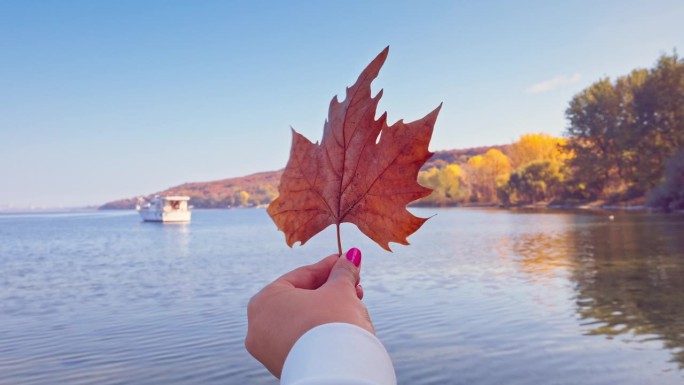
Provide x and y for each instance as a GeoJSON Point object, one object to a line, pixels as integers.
{"type": "Point", "coordinates": [338, 353]}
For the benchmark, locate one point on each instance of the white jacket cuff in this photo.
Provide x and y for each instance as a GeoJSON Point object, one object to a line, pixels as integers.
{"type": "Point", "coordinates": [338, 353]}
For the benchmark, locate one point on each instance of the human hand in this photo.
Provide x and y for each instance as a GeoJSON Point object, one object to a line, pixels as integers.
{"type": "Point", "coordinates": [313, 295]}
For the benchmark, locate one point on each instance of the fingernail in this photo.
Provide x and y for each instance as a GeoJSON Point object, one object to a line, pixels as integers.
{"type": "Point", "coordinates": [354, 256]}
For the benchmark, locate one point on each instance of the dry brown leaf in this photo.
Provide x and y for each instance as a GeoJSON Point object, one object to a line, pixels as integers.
{"type": "Point", "coordinates": [352, 176]}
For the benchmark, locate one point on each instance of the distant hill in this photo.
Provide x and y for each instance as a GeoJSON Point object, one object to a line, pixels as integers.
{"type": "Point", "coordinates": [262, 188]}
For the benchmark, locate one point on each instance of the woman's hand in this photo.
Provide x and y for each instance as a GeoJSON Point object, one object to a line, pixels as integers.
{"type": "Point", "coordinates": [325, 292]}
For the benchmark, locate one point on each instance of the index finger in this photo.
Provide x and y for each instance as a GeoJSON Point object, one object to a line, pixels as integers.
{"type": "Point", "coordinates": [310, 276]}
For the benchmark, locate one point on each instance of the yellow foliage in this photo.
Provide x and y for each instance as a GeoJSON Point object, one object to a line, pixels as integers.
{"type": "Point", "coordinates": [537, 147]}
{"type": "Point", "coordinates": [498, 165]}
{"type": "Point", "coordinates": [481, 178]}
{"type": "Point", "coordinates": [454, 170]}
{"type": "Point", "coordinates": [241, 198]}
{"type": "Point", "coordinates": [476, 161]}
{"type": "Point", "coordinates": [447, 185]}
{"type": "Point", "coordinates": [486, 173]}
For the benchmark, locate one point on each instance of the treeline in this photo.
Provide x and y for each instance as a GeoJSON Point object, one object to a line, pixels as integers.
{"type": "Point", "coordinates": [533, 169]}
{"type": "Point", "coordinates": [623, 142]}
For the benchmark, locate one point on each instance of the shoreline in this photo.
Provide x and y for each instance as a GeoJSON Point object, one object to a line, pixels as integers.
{"type": "Point", "coordinates": [598, 205]}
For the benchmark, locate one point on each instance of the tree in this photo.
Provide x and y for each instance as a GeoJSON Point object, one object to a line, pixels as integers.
{"type": "Point", "coordinates": [659, 128]}
{"type": "Point", "coordinates": [534, 147]}
{"type": "Point", "coordinates": [621, 133]}
{"type": "Point", "coordinates": [487, 172]}
{"type": "Point", "coordinates": [535, 182]}
{"type": "Point", "coordinates": [595, 122]}
{"type": "Point", "coordinates": [241, 198]}
{"type": "Point", "coordinates": [448, 185]}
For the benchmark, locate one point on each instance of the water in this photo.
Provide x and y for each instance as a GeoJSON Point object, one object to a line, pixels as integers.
{"type": "Point", "coordinates": [480, 297]}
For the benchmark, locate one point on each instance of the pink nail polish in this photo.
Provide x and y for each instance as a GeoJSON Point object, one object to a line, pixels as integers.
{"type": "Point", "coordinates": [354, 256]}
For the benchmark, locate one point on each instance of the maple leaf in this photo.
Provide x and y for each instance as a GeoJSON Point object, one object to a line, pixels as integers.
{"type": "Point", "coordinates": [351, 176]}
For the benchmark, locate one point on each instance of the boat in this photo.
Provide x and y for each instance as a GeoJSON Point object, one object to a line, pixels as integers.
{"type": "Point", "coordinates": [165, 209]}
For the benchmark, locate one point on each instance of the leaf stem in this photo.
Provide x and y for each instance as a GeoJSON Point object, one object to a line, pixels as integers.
{"type": "Point", "coordinates": [339, 241]}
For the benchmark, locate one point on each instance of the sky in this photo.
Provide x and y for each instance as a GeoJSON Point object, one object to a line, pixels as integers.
{"type": "Point", "coordinates": [102, 100]}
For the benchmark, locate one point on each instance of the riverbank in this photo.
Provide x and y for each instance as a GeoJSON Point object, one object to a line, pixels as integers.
{"type": "Point", "coordinates": [634, 205]}
{"type": "Point", "coordinates": [637, 204]}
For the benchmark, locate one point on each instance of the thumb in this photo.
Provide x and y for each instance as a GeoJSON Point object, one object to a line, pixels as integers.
{"type": "Point", "coordinates": [347, 269]}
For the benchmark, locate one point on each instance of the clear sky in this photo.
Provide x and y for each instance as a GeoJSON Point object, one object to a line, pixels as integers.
{"type": "Point", "coordinates": [101, 100]}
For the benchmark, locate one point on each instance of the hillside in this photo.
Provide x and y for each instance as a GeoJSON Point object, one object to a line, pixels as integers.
{"type": "Point", "coordinates": [248, 190]}
{"type": "Point", "coordinates": [262, 188]}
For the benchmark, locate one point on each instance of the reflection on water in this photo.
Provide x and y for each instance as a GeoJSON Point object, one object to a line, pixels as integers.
{"type": "Point", "coordinates": [628, 274]}
{"type": "Point", "coordinates": [177, 235]}
{"type": "Point", "coordinates": [630, 279]}
{"type": "Point", "coordinates": [543, 256]}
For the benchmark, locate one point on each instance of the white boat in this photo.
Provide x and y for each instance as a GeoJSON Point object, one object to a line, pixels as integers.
{"type": "Point", "coordinates": [165, 209]}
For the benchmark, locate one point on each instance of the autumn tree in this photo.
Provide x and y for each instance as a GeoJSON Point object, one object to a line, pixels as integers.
{"type": "Point", "coordinates": [595, 126]}
{"type": "Point", "coordinates": [487, 172]}
{"type": "Point", "coordinates": [447, 184]}
{"type": "Point", "coordinates": [535, 147]}
{"type": "Point", "coordinates": [622, 132]}
{"type": "Point", "coordinates": [534, 182]}
{"type": "Point", "coordinates": [241, 198]}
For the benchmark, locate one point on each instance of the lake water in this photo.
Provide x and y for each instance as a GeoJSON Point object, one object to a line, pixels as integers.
{"type": "Point", "coordinates": [480, 297]}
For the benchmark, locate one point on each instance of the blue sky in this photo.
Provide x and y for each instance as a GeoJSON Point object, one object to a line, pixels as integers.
{"type": "Point", "coordinates": [101, 100]}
